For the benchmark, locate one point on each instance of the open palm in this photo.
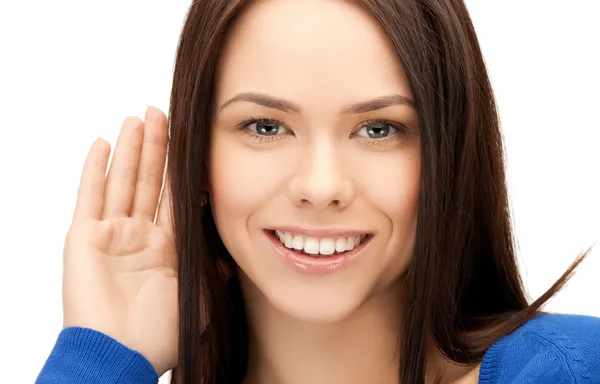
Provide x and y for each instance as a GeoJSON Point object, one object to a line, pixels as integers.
{"type": "Point", "coordinates": [120, 264]}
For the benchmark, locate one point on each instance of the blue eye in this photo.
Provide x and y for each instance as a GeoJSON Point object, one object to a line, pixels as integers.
{"type": "Point", "coordinates": [377, 130]}
{"type": "Point", "coordinates": [266, 128]}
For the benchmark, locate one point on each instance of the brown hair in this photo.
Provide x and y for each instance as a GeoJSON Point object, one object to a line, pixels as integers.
{"type": "Point", "coordinates": [463, 285]}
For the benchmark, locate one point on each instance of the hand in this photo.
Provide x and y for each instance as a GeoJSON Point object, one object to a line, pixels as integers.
{"type": "Point", "coordinates": [120, 268]}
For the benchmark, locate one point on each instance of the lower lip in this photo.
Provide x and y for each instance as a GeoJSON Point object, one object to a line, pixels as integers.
{"type": "Point", "coordinates": [301, 262]}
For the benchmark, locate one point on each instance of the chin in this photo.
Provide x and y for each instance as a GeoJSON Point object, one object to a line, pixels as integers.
{"type": "Point", "coordinates": [317, 302]}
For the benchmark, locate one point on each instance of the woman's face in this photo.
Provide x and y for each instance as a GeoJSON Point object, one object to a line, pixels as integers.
{"type": "Point", "coordinates": [315, 158]}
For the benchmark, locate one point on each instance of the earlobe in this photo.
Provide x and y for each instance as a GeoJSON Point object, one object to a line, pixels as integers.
{"type": "Point", "coordinates": [226, 268]}
{"type": "Point", "coordinates": [203, 198]}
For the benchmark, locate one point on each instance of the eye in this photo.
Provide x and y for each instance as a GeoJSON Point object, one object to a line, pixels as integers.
{"type": "Point", "coordinates": [266, 127]}
{"type": "Point", "coordinates": [377, 130]}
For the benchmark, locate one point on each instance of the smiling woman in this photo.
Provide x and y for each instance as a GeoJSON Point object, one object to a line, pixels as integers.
{"type": "Point", "coordinates": [336, 212]}
{"type": "Point", "coordinates": [331, 145]}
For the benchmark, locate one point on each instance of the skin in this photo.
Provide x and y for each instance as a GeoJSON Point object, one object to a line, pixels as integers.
{"type": "Point", "coordinates": [321, 169]}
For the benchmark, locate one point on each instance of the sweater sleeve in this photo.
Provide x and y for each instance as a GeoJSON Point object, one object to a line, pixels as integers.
{"type": "Point", "coordinates": [83, 355]}
{"type": "Point", "coordinates": [552, 348]}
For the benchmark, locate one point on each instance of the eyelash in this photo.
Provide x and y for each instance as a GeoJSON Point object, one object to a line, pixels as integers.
{"type": "Point", "coordinates": [243, 128]}
{"type": "Point", "coordinates": [402, 130]}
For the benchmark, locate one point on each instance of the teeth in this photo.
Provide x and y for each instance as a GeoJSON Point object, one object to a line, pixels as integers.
{"type": "Point", "coordinates": [314, 246]}
{"type": "Point", "coordinates": [327, 246]}
{"type": "Point", "coordinates": [297, 242]}
{"type": "Point", "coordinates": [340, 245]}
{"type": "Point", "coordinates": [350, 242]}
{"type": "Point", "coordinates": [311, 245]}
{"type": "Point", "coordinates": [287, 240]}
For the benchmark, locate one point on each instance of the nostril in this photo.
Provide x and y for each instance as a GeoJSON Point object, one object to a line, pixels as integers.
{"type": "Point", "coordinates": [334, 203]}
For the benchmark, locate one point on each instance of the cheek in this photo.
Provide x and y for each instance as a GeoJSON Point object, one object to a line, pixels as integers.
{"type": "Point", "coordinates": [403, 212]}
{"type": "Point", "coordinates": [403, 204]}
{"type": "Point", "coordinates": [229, 178]}
{"type": "Point", "coordinates": [232, 193]}
{"type": "Point", "coordinates": [392, 185]}
{"type": "Point", "coordinates": [393, 189]}
{"type": "Point", "coordinates": [242, 180]}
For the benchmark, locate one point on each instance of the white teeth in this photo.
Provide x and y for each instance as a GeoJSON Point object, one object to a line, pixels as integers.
{"type": "Point", "coordinates": [314, 246]}
{"type": "Point", "coordinates": [350, 242]}
{"type": "Point", "coordinates": [327, 246]}
{"type": "Point", "coordinates": [298, 242]}
{"type": "Point", "coordinates": [340, 244]}
{"type": "Point", "coordinates": [287, 240]}
{"type": "Point", "coordinates": [311, 245]}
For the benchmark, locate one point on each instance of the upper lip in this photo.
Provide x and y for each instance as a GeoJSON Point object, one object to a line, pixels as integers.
{"type": "Point", "coordinates": [320, 233]}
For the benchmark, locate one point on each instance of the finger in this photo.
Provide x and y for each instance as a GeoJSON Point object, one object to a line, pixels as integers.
{"type": "Point", "coordinates": [122, 175]}
{"type": "Point", "coordinates": [152, 165]}
{"type": "Point", "coordinates": [163, 217]}
{"type": "Point", "coordinates": [90, 195]}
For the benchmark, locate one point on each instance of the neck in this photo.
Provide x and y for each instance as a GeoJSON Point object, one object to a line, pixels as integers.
{"type": "Point", "coordinates": [360, 349]}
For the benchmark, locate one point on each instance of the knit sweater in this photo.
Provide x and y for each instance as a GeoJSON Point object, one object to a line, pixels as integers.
{"type": "Point", "coordinates": [549, 349]}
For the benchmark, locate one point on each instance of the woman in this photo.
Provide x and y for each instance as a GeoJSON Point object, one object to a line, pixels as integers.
{"type": "Point", "coordinates": [335, 212]}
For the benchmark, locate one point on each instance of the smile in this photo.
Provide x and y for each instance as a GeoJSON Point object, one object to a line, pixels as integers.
{"type": "Point", "coordinates": [318, 252]}
{"type": "Point", "coordinates": [319, 247]}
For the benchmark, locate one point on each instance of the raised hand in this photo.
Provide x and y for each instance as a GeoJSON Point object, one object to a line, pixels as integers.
{"type": "Point", "coordinates": [120, 264]}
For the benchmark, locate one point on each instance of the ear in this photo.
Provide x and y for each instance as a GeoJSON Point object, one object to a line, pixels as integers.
{"type": "Point", "coordinates": [226, 268]}
{"type": "Point", "coordinates": [205, 182]}
{"type": "Point", "coordinates": [204, 198]}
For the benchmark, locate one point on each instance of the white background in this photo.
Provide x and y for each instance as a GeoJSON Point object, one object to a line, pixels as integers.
{"type": "Point", "coordinates": [72, 70]}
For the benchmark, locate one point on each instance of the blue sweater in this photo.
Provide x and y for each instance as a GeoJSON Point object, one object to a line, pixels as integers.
{"type": "Point", "coordinates": [550, 349]}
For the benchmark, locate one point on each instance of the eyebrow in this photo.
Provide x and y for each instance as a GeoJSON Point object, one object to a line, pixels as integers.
{"type": "Point", "coordinates": [264, 100]}
{"type": "Point", "coordinates": [289, 107]}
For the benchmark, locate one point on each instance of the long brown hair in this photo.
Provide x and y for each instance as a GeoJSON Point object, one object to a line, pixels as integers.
{"type": "Point", "coordinates": [463, 285]}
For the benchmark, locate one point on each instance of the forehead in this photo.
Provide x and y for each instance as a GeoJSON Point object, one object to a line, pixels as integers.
{"type": "Point", "coordinates": [311, 51]}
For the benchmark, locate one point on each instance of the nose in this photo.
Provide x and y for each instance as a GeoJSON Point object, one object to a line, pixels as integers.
{"type": "Point", "coordinates": [320, 180]}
